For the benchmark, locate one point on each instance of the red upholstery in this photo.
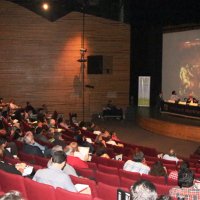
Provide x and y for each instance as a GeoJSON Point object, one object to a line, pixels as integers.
{"type": "Point", "coordinates": [62, 194]}
{"type": "Point", "coordinates": [39, 191]}
{"type": "Point", "coordinates": [109, 170]}
{"type": "Point", "coordinates": [41, 161]}
{"type": "Point", "coordinates": [109, 179]}
{"type": "Point", "coordinates": [107, 192]}
{"type": "Point", "coordinates": [26, 157]}
{"type": "Point", "coordinates": [88, 173]}
{"type": "Point", "coordinates": [154, 179]}
{"type": "Point", "coordinates": [12, 182]}
{"type": "Point", "coordinates": [126, 182]}
{"type": "Point", "coordinates": [163, 189]}
{"type": "Point", "coordinates": [130, 175]}
{"type": "Point", "coordinates": [89, 182]}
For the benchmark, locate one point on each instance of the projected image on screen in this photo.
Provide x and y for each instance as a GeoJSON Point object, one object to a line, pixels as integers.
{"type": "Point", "coordinates": [181, 64]}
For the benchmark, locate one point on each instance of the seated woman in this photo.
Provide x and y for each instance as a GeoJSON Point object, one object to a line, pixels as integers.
{"type": "Point", "coordinates": [157, 169]}
{"type": "Point", "coordinates": [99, 140]}
{"type": "Point", "coordinates": [101, 152]}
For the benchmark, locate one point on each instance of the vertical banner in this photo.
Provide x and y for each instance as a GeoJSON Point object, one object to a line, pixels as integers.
{"type": "Point", "coordinates": [144, 90]}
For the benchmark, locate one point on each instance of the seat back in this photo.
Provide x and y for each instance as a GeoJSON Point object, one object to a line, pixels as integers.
{"type": "Point", "coordinates": [41, 161]}
{"type": "Point", "coordinates": [163, 189]}
{"type": "Point", "coordinates": [109, 179]}
{"type": "Point", "coordinates": [86, 181]}
{"type": "Point", "coordinates": [12, 182]}
{"type": "Point", "coordinates": [130, 175]}
{"type": "Point", "coordinates": [62, 194]}
{"type": "Point", "coordinates": [108, 192]}
{"type": "Point", "coordinates": [126, 182]}
{"type": "Point", "coordinates": [39, 191]}
{"type": "Point", "coordinates": [154, 179]}
{"type": "Point", "coordinates": [109, 170]}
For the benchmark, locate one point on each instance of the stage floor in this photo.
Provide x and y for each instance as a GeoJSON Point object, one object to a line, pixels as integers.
{"type": "Point", "coordinates": [129, 131]}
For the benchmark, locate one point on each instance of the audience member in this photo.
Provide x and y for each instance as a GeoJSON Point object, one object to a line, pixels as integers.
{"type": "Point", "coordinates": [58, 139]}
{"type": "Point", "coordinates": [10, 149]}
{"type": "Point", "coordinates": [10, 168]}
{"type": "Point", "coordinates": [181, 167]}
{"type": "Point", "coordinates": [53, 175]}
{"type": "Point", "coordinates": [170, 156]}
{"type": "Point", "coordinates": [72, 160]}
{"type": "Point", "coordinates": [82, 141]}
{"type": "Point", "coordinates": [157, 169]}
{"type": "Point", "coordinates": [101, 152]}
{"type": "Point", "coordinates": [68, 169]}
{"type": "Point", "coordinates": [32, 147]}
{"type": "Point", "coordinates": [143, 190]}
{"type": "Point", "coordinates": [138, 164]}
{"type": "Point", "coordinates": [12, 195]}
{"type": "Point", "coordinates": [185, 189]}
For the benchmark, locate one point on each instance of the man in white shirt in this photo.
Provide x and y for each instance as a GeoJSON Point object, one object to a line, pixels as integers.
{"type": "Point", "coordinates": [138, 164]}
{"type": "Point", "coordinates": [171, 156]}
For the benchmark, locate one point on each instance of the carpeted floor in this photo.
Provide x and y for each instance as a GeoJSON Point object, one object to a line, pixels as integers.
{"type": "Point", "coordinates": [129, 132]}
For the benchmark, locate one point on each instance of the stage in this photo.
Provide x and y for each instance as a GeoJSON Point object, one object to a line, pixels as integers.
{"type": "Point", "coordinates": [168, 125]}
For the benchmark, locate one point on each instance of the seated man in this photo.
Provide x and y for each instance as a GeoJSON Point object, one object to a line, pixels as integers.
{"type": "Point", "coordinates": [68, 169]}
{"type": "Point", "coordinates": [170, 156]}
{"type": "Point", "coordinates": [185, 189]}
{"type": "Point", "coordinates": [53, 175]}
{"type": "Point", "coordinates": [72, 160]}
{"type": "Point", "coordinates": [143, 190]}
{"type": "Point", "coordinates": [174, 96]}
{"type": "Point", "coordinates": [138, 164]}
{"type": "Point", "coordinates": [32, 147]}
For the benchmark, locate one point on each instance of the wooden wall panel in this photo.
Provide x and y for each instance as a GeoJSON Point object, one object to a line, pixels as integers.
{"type": "Point", "coordinates": [38, 60]}
{"type": "Point", "coordinates": [180, 131]}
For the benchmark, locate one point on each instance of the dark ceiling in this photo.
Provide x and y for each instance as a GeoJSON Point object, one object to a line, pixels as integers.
{"type": "Point", "coordinates": [137, 12]}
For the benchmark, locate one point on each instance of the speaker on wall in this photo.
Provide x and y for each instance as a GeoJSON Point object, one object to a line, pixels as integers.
{"type": "Point", "coordinates": [99, 64]}
{"type": "Point", "coordinates": [95, 64]}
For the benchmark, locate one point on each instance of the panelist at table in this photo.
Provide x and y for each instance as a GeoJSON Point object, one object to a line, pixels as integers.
{"type": "Point", "coordinates": [191, 100]}
{"type": "Point", "coordinates": [174, 96]}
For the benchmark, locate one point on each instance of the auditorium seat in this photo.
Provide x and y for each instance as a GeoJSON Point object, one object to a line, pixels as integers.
{"type": "Point", "coordinates": [92, 165]}
{"type": "Point", "coordinates": [130, 175]}
{"type": "Point", "coordinates": [39, 191]}
{"type": "Point", "coordinates": [108, 192]}
{"type": "Point", "coordinates": [12, 182]}
{"type": "Point", "coordinates": [172, 182]}
{"type": "Point", "coordinates": [126, 182]}
{"type": "Point", "coordinates": [26, 157]}
{"type": "Point", "coordinates": [109, 170]}
{"type": "Point", "coordinates": [41, 161]}
{"type": "Point", "coordinates": [162, 189]}
{"type": "Point", "coordinates": [154, 179]}
{"type": "Point", "coordinates": [88, 173]}
{"type": "Point", "coordinates": [87, 181]}
{"type": "Point", "coordinates": [115, 163]}
{"type": "Point", "coordinates": [109, 179]}
{"type": "Point", "coordinates": [10, 160]}
{"type": "Point", "coordinates": [62, 194]}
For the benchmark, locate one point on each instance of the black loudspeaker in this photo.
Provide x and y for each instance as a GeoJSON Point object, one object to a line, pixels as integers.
{"type": "Point", "coordinates": [95, 64]}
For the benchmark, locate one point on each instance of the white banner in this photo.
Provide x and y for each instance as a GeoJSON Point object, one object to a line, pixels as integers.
{"type": "Point", "coordinates": [144, 91]}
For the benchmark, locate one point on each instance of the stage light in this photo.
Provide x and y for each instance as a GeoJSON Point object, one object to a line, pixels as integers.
{"type": "Point", "coordinates": [45, 6]}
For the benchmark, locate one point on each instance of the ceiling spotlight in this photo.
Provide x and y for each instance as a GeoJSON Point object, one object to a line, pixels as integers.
{"type": "Point", "coordinates": [45, 6]}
